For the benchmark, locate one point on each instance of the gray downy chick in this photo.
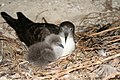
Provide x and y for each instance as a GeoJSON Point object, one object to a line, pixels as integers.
{"type": "Point", "coordinates": [42, 53]}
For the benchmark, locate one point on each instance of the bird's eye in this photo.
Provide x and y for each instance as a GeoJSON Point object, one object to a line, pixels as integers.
{"type": "Point", "coordinates": [57, 43]}
{"type": "Point", "coordinates": [61, 29]}
{"type": "Point", "coordinates": [71, 29]}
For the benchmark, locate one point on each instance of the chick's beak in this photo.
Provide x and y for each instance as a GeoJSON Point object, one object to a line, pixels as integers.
{"type": "Point", "coordinates": [61, 45]}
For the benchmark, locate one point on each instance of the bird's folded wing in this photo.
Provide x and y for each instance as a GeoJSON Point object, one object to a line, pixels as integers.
{"type": "Point", "coordinates": [48, 55]}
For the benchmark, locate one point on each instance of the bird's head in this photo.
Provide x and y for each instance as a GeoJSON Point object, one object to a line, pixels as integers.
{"type": "Point", "coordinates": [67, 29]}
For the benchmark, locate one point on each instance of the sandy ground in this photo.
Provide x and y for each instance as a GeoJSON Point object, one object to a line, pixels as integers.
{"type": "Point", "coordinates": [55, 11]}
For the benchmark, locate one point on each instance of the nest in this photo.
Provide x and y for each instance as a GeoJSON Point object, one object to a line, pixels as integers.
{"type": "Point", "coordinates": [96, 57]}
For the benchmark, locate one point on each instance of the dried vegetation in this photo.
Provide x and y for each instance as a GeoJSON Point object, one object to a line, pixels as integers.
{"type": "Point", "coordinates": [97, 54]}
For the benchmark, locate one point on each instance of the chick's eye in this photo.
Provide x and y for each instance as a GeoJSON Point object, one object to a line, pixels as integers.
{"type": "Point", "coordinates": [71, 29]}
{"type": "Point", "coordinates": [57, 43]}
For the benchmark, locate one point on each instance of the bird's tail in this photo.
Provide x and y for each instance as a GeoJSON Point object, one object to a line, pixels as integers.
{"type": "Point", "coordinates": [23, 18]}
{"type": "Point", "coordinates": [11, 21]}
{"type": "Point", "coordinates": [17, 24]}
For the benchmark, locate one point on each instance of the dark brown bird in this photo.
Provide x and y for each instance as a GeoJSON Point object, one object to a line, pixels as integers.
{"type": "Point", "coordinates": [28, 31]}
{"type": "Point", "coordinates": [47, 51]}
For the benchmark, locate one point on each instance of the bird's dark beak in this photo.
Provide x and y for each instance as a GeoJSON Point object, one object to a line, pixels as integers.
{"type": "Point", "coordinates": [66, 35]}
{"type": "Point", "coordinates": [61, 45]}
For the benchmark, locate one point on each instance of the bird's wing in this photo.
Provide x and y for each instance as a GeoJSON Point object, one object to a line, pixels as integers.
{"type": "Point", "coordinates": [28, 31]}
{"type": "Point", "coordinates": [11, 21]}
{"type": "Point", "coordinates": [48, 55]}
{"type": "Point", "coordinates": [37, 33]}
{"type": "Point", "coordinates": [23, 18]}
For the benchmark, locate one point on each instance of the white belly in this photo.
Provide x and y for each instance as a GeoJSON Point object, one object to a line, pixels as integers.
{"type": "Point", "coordinates": [69, 46]}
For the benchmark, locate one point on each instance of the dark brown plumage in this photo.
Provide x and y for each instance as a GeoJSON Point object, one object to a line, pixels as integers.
{"type": "Point", "coordinates": [28, 31]}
